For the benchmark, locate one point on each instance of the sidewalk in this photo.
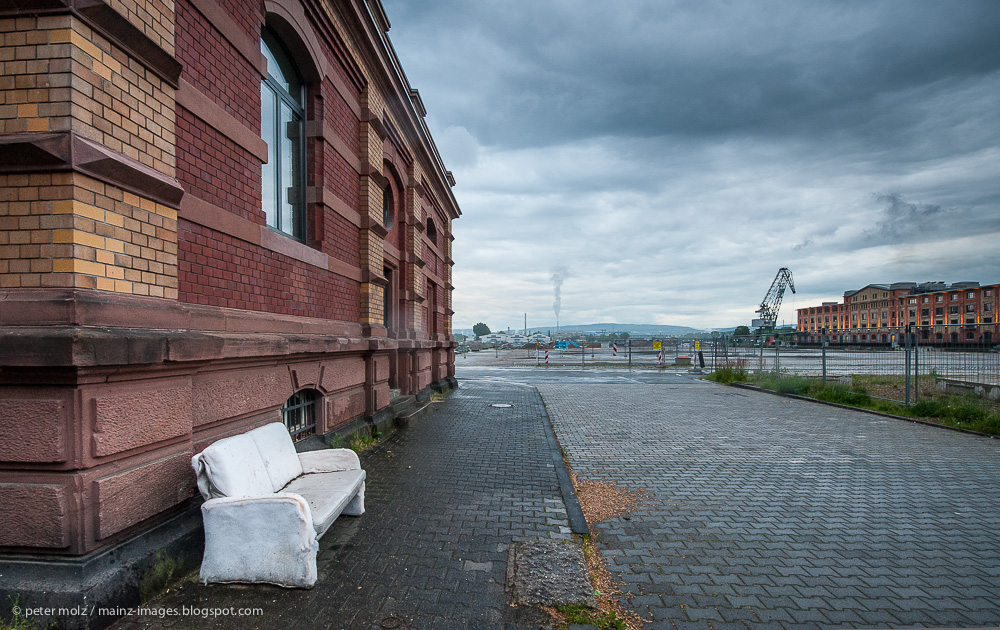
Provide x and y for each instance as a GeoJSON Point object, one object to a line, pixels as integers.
{"type": "Point", "coordinates": [446, 498]}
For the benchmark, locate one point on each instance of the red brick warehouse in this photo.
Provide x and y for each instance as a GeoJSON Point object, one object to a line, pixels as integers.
{"type": "Point", "coordinates": [213, 214]}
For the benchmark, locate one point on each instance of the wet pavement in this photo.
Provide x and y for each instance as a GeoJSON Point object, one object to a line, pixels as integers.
{"type": "Point", "coordinates": [446, 499]}
{"type": "Point", "coordinates": [773, 513]}
{"type": "Point", "coordinates": [760, 513]}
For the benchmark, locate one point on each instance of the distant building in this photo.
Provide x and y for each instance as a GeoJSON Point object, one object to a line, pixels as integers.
{"type": "Point", "coordinates": [963, 313]}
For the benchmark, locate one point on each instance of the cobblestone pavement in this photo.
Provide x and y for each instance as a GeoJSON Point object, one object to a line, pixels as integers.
{"type": "Point", "coordinates": [769, 513]}
{"type": "Point", "coordinates": [445, 500]}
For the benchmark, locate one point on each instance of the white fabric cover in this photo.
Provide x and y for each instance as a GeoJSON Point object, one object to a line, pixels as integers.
{"type": "Point", "coordinates": [267, 539]}
{"type": "Point", "coordinates": [232, 467]}
{"type": "Point", "coordinates": [252, 533]}
{"type": "Point", "coordinates": [329, 460]}
{"type": "Point", "coordinates": [327, 494]}
{"type": "Point", "coordinates": [278, 453]}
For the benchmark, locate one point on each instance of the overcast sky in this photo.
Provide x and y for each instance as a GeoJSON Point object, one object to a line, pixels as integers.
{"type": "Point", "coordinates": [667, 158]}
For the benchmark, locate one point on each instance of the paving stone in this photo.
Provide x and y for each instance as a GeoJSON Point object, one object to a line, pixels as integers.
{"type": "Point", "coordinates": [839, 516]}
{"type": "Point", "coordinates": [432, 546]}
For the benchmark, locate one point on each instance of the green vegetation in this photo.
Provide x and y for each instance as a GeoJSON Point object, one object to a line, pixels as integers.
{"type": "Point", "coordinates": [18, 621]}
{"type": "Point", "coordinates": [156, 581]}
{"type": "Point", "coordinates": [730, 374]}
{"type": "Point", "coordinates": [967, 412]}
{"type": "Point", "coordinates": [480, 329]}
{"type": "Point", "coordinates": [357, 441]}
{"type": "Point", "coordinates": [577, 613]}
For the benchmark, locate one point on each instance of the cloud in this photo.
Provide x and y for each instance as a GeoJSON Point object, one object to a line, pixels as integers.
{"type": "Point", "coordinates": [674, 155]}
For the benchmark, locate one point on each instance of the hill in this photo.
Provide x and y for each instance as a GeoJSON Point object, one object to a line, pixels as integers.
{"type": "Point", "coordinates": [632, 329]}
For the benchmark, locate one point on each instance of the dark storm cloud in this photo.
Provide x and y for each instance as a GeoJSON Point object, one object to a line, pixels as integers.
{"type": "Point", "coordinates": [904, 221]}
{"type": "Point", "coordinates": [674, 155]}
{"type": "Point", "coordinates": [569, 70]}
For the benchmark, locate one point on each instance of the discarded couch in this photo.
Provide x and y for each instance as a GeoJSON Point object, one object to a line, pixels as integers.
{"type": "Point", "coordinates": [266, 506]}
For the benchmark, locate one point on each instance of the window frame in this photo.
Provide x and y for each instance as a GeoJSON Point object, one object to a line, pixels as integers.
{"type": "Point", "coordinates": [279, 52]}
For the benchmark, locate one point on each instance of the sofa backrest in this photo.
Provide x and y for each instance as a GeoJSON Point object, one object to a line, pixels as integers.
{"type": "Point", "coordinates": [278, 453]}
{"type": "Point", "coordinates": [232, 467]}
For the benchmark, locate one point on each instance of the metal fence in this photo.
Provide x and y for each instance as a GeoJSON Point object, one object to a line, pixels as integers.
{"type": "Point", "coordinates": [627, 354]}
{"type": "Point", "coordinates": [901, 368]}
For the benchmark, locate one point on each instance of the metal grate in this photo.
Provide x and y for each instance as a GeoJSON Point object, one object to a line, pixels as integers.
{"type": "Point", "coordinates": [299, 414]}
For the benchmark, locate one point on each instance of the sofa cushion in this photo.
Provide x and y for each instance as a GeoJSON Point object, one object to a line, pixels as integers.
{"type": "Point", "coordinates": [278, 453]}
{"type": "Point", "coordinates": [233, 468]}
{"type": "Point", "coordinates": [327, 494]}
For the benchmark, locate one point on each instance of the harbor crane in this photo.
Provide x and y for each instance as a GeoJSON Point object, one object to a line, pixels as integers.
{"type": "Point", "coordinates": [772, 301]}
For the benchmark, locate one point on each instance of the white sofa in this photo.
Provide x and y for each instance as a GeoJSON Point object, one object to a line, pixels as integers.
{"type": "Point", "coordinates": [266, 506]}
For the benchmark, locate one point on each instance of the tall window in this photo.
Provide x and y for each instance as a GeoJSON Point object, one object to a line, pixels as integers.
{"type": "Point", "coordinates": [282, 126]}
{"type": "Point", "coordinates": [387, 203]}
{"type": "Point", "coordinates": [432, 233]}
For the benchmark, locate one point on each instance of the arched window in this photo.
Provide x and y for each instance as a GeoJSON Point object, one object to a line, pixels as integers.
{"type": "Point", "coordinates": [387, 214]}
{"type": "Point", "coordinates": [432, 232]}
{"type": "Point", "coordinates": [299, 413]}
{"type": "Point", "coordinates": [282, 126]}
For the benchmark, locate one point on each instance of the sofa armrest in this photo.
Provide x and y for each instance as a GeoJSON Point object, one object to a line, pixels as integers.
{"type": "Point", "coordinates": [268, 539]}
{"type": "Point", "coordinates": [329, 460]}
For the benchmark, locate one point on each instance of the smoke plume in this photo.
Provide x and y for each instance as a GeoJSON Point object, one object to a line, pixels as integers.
{"type": "Point", "coordinates": [558, 276]}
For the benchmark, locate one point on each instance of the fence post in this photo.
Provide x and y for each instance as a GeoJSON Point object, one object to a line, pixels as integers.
{"type": "Point", "coordinates": [907, 350]}
{"type": "Point", "coordinates": [916, 367]}
{"type": "Point", "coordinates": [822, 343]}
{"type": "Point", "coordinates": [629, 352]}
{"type": "Point", "coordinates": [777, 355]}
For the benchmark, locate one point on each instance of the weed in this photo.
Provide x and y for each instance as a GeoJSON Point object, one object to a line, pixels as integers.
{"type": "Point", "coordinates": [18, 620]}
{"type": "Point", "coordinates": [156, 580]}
{"type": "Point", "coordinates": [729, 374]}
{"type": "Point", "coordinates": [844, 395]}
{"type": "Point", "coordinates": [785, 384]}
{"type": "Point", "coordinates": [577, 613]}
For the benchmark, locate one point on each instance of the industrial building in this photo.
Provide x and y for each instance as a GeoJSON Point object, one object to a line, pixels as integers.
{"type": "Point", "coordinates": [959, 314]}
{"type": "Point", "coordinates": [213, 214]}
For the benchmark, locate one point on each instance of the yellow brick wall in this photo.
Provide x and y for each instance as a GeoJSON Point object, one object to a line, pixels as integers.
{"type": "Point", "coordinates": [69, 230]}
{"type": "Point", "coordinates": [58, 74]}
{"type": "Point", "coordinates": [155, 18]}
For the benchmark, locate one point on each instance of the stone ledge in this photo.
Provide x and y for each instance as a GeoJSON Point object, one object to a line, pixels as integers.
{"type": "Point", "coordinates": [114, 577]}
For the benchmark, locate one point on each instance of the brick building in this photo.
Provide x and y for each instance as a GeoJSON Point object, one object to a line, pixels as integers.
{"type": "Point", "coordinates": [960, 314]}
{"type": "Point", "coordinates": [213, 214]}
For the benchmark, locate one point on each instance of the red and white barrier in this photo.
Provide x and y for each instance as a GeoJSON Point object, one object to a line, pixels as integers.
{"type": "Point", "coordinates": [614, 349]}
{"type": "Point", "coordinates": [546, 356]}
{"type": "Point", "coordinates": [659, 357]}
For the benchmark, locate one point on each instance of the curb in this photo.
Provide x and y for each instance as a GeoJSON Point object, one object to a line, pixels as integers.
{"type": "Point", "coordinates": [927, 423]}
{"type": "Point", "coordinates": [577, 523]}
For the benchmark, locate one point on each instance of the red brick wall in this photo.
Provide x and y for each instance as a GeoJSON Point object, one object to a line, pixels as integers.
{"type": "Point", "coordinates": [220, 270]}
{"type": "Point", "coordinates": [213, 66]}
{"type": "Point", "coordinates": [214, 168]}
{"type": "Point", "coordinates": [246, 13]}
{"type": "Point", "coordinates": [341, 118]}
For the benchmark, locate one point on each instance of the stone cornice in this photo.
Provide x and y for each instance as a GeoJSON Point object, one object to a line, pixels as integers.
{"type": "Point", "coordinates": [69, 151]}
